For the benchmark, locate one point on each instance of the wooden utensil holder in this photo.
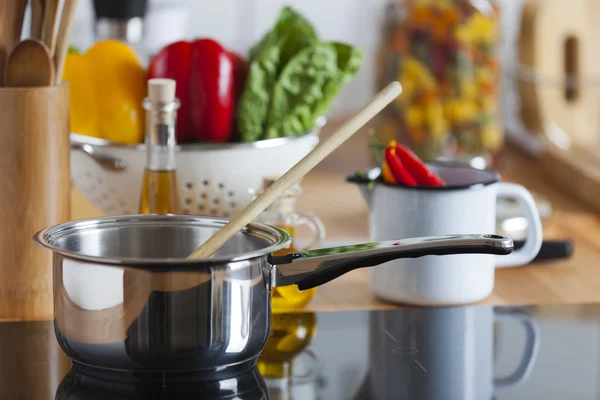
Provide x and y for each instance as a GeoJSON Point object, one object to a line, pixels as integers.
{"type": "Point", "coordinates": [34, 194]}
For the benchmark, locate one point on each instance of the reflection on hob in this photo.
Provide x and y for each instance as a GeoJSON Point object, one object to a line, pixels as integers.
{"type": "Point", "coordinates": [288, 366]}
{"type": "Point", "coordinates": [442, 353]}
{"type": "Point", "coordinates": [78, 386]}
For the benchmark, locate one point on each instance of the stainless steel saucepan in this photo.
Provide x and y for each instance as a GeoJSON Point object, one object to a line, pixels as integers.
{"type": "Point", "coordinates": [128, 302]}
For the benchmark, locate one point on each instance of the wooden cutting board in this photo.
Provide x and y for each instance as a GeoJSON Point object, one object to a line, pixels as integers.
{"type": "Point", "coordinates": [559, 38]}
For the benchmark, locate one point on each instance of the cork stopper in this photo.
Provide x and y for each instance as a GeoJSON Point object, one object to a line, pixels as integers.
{"type": "Point", "coordinates": [161, 90]}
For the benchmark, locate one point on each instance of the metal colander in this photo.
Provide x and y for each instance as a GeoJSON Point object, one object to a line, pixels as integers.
{"type": "Point", "coordinates": [214, 179]}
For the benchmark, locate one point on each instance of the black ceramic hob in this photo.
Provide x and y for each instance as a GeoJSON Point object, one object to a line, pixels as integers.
{"type": "Point", "coordinates": [479, 352]}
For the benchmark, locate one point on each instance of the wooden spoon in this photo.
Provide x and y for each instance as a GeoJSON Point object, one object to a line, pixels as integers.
{"type": "Point", "coordinates": [37, 18]}
{"type": "Point", "coordinates": [273, 192]}
{"type": "Point", "coordinates": [11, 25]}
{"type": "Point", "coordinates": [29, 65]}
{"type": "Point", "coordinates": [50, 23]}
{"type": "Point", "coordinates": [64, 35]}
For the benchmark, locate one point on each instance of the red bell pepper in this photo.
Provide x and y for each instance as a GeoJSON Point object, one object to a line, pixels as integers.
{"type": "Point", "coordinates": [400, 173]}
{"type": "Point", "coordinates": [212, 91]}
{"type": "Point", "coordinates": [205, 73]}
{"type": "Point", "coordinates": [417, 168]}
{"type": "Point", "coordinates": [240, 71]}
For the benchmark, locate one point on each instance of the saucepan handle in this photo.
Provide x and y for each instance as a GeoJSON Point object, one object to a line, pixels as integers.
{"type": "Point", "coordinates": [312, 268]}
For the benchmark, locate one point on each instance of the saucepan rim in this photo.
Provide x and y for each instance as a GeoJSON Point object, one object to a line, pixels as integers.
{"type": "Point", "coordinates": [48, 236]}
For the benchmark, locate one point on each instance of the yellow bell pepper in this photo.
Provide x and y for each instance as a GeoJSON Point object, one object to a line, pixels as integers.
{"type": "Point", "coordinates": [107, 85]}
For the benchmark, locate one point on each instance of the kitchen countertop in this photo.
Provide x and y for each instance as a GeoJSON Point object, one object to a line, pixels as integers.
{"type": "Point", "coordinates": [344, 214]}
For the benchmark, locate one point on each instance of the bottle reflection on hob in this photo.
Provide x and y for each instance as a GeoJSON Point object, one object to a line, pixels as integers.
{"type": "Point", "coordinates": [286, 363]}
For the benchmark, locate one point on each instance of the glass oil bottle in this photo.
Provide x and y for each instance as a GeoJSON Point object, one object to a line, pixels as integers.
{"type": "Point", "coordinates": [160, 192]}
{"type": "Point", "coordinates": [283, 215]}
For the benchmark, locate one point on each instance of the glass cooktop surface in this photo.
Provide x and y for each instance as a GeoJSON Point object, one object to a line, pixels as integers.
{"type": "Point", "coordinates": [478, 352]}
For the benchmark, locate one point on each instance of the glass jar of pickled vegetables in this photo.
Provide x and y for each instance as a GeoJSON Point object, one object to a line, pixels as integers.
{"type": "Point", "coordinates": [282, 214]}
{"type": "Point", "coordinates": [444, 53]}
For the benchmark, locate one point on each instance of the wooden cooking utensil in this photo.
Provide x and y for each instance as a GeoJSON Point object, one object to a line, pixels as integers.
{"type": "Point", "coordinates": [11, 25]}
{"type": "Point", "coordinates": [20, 6]}
{"type": "Point", "coordinates": [273, 192]}
{"type": "Point", "coordinates": [64, 35]}
{"type": "Point", "coordinates": [49, 25]}
{"type": "Point", "coordinates": [559, 38]}
{"type": "Point", "coordinates": [37, 18]}
{"type": "Point", "coordinates": [29, 65]}
{"type": "Point", "coordinates": [34, 171]}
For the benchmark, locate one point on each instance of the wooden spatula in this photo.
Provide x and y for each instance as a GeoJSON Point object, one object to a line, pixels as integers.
{"type": "Point", "coordinates": [37, 18]}
{"type": "Point", "coordinates": [11, 24]}
{"type": "Point", "coordinates": [29, 65]}
{"type": "Point", "coordinates": [64, 35]}
{"type": "Point", "coordinates": [50, 24]}
{"type": "Point", "coordinates": [273, 192]}
{"type": "Point", "coordinates": [557, 38]}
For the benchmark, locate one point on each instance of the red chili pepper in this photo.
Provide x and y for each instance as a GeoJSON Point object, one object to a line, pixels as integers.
{"type": "Point", "coordinates": [400, 173]}
{"type": "Point", "coordinates": [205, 73]}
{"type": "Point", "coordinates": [386, 173]}
{"type": "Point", "coordinates": [417, 168]}
{"type": "Point", "coordinates": [173, 62]}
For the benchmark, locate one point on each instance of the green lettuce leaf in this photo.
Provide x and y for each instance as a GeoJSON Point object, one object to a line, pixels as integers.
{"type": "Point", "coordinates": [288, 18]}
{"type": "Point", "coordinates": [308, 85]}
{"type": "Point", "coordinates": [299, 90]}
{"type": "Point", "coordinates": [270, 59]}
{"type": "Point", "coordinates": [253, 105]}
{"type": "Point", "coordinates": [349, 60]}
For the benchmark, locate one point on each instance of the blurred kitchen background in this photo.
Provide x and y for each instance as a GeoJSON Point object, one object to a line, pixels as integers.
{"type": "Point", "coordinates": [239, 23]}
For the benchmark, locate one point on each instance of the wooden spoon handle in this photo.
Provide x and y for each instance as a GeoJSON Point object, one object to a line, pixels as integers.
{"type": "Point", "coordinates": [37, 18]}
{"type": "Point", "coordinates": [49, 27]}
{"type": "Point", "coordinates": [63, 37]}
{"type": "Point", "coordinates": [273, 192]}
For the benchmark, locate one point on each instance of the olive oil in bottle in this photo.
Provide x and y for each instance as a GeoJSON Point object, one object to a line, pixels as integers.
{"type": "Point", "coordinates": [160, 193]}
